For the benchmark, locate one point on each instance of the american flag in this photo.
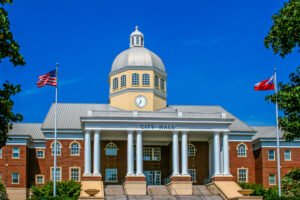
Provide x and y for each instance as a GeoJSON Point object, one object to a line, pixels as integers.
{"type": "Point", "coordinates": [47, 79]}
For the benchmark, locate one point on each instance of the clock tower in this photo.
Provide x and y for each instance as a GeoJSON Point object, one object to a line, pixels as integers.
{"type": "Point", "coordinates": [137, 78]}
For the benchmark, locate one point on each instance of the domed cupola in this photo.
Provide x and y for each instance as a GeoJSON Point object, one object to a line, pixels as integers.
{"type": "Point", "coordinates": [136, 38]}
{"type": "Point", "coordinates": [137, 78]}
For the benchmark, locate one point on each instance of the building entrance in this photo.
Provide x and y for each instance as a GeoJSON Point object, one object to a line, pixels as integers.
{"type": "Point", "coordinates": [153, 177]}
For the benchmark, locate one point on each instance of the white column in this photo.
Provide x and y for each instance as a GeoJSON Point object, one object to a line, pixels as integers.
{"type": "Point", "coordinates": [130, 156]}
{"type": "Point", "coordinates": [226, 153]}
{"type": "Point", "coordinates": [175, 155]}
{"type": "Point", "coordinates": [139, 154]}
{"type": "Point", "coordinates": [217, 153]}
{"type": "Point", "coordinates": [184, 154]}
{"type": "Point", "coordinates": [97, 154]}
{"type": "Point", "coordinates": [87, 153]}
{"type": "Point", "coordinates": [210, 159]}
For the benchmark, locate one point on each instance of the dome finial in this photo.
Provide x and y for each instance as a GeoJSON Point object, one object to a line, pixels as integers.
{"type": "Point", "coordinates": [136, 38]}
{"type": "Point", "coordinates": [136, 28]}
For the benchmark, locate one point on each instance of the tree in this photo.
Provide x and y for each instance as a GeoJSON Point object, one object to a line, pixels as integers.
{"type": "Point", "coordinates": [284, 35]}
{"type": "Point", "coordinates": [9, 48]}
{"type": "Point", "coordinates": [291, 183]}
{"type": "Point", "coordinates": [288, 99]}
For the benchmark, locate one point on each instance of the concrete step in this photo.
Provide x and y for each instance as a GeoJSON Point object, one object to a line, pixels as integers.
{"type": "Point", "coordinates": [164, 197]}
{"type": "Point", "coordinates": [200, 189]}
{"type": "Point", "coordinates": [157, 190]}
{"type": "Point", "coordinates": [113, 190]}
{"type": "Point", "coordinates": [139, 197]}
{"type": "Point", "coordinates": [115, 197]}
{"type": "Point", "coordinates": [206, 197]}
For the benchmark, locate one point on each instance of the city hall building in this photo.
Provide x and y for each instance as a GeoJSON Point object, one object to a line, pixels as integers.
{"type": "Point", "coordinates": [138, 140]}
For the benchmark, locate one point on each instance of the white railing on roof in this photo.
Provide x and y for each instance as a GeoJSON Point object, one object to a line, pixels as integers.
{"type": "Point", "coordinates": [143, 114]}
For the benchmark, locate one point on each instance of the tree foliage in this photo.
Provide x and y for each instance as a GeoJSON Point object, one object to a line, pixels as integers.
{"type": "Point", "coordinates": [65, 190]}
{"type": "Point", "coordinates": [284, 35]}
{"type": "Point", "coordinates": [291, 183]}
{"type": "Point", "coordinates": [9, 48]}
{"type": "Point", "coordinates": [3, 194]}
{"type": "Point", "coordinates": [288, 98]}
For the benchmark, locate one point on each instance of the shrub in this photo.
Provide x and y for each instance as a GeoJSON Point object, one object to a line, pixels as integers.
{"type": "Point", "coordinates": [3, 194]}
{"type": "Point", "coordinates": [291, 183]}
{"type": "Point", "coordinates": [65, 190]}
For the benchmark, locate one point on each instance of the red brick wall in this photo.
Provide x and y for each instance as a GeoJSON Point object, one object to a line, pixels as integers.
{"type": "Point", "coordinates": [241, 162]}
{"type": "Point", "coordinates": [8, 165]}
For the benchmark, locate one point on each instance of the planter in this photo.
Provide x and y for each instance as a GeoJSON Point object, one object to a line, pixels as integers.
{"type": "Point", "coordinates": [246, 192]}
{"type": "Point", "coordinates": [92, 192]}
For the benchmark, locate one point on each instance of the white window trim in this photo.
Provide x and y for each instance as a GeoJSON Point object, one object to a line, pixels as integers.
{"type": "Point", "coordinates": [41, 175]}
{"type": "Point", "coordinates": [238, 174]}
{"type": "Point", "coordinates": [56, 152]}
{"type": "Point", "coordinates": [79, 172]}
{"type": "Point", "coordinates": [269, 155]}
{"type": "Point", "coordinates": [12, 151]}
{"type": "Point", "coordinates": [246, 149]}
{"type": "Point", "coordinates": [152, 153]}
{"type": "Point", "coordinates": [43, 154]}
{"type": "Point", "coordinates": [108, 181]}
{"type": "Point", "coordinates": [12, 178]}
{"type": "Point", "coordinates": [290, 155]}
{"type": "Point", "coordinates": [55, 173]}
{"type": "Point", "coordinates": [79, 147]}
{"type": "Point", "coordinates": [274, 179]}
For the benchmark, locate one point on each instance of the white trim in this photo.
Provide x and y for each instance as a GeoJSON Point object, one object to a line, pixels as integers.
{"type": "Point", "coordinates": [240, 141]}
{"type": "Point", "coordinates": [16, 144]}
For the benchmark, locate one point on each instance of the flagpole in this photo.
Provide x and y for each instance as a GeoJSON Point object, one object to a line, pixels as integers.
{"type": "Point", "coordinates": [277, 135]}
{"type": "Point", "coordinates": [55, 132]}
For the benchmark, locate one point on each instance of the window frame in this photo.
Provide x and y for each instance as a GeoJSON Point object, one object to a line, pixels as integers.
{"type": "Point", "coordinates": [189, 150]}
{"type": "Point", "coordinates": [106, 177]}
{"type": "Point", "coordinates": [110, 144]}
{"type": "Point", "coordinates": [152, 151]}
{"type": "Point", "coordinates": [246, 174]}
{"type": "Point", "coordinates": [70, 173]}
{"type": "Point", "coordinates": [274, 159]}
{"type": "Point", "coordinates": [1, 152]}
{"type": "Point", "coordinates": [73, 154]}
{"type": "Point", "coordinates": [52, 147]}
{"type": "Point", "coordinates": [36, 179]}
{"type": "Point", "coordinates": [12, 177]}
{"type": "Point", "coordinates": [146, 80]}
{"type": "Point", "coordinates": [115, 83]}
{"type": "Point", "coordinates": [272, 180]}
{"type": "Point", "coordinates": [60, 172]}
{"type": "Point", "coordinates": [123, 81]}
{"type": "Point", "coordinates": [156, 81]}
{"type": "Point", "coordinates": [193, 178]}
{"type": "Point", "coordinates": [162, 84]}
{"type": "Point", "coordinates": [37, 154]}
{"type": "Point", "coordinates": [17, 153]}
{"type": "Point", "coordinates": [240, 154]}
{"type": "Point", "coordinates": [290, 155]}
{"type": "Point", "coordinates": [135, 79]}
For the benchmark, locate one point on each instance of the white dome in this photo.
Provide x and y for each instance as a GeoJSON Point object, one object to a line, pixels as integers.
{"type": "Point", "coordinates": [137, 57]}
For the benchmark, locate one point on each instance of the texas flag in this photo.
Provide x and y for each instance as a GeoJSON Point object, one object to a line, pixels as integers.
{"type": "Point", "coordinates": [265, 85]}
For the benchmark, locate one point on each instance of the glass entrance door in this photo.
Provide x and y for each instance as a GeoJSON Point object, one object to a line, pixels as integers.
{"type": "Point", "coordinates": [153, 177]}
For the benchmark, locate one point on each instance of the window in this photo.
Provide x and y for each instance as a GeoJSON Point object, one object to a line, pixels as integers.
{"type": "Point", "coordinates": [156, 81]}
{"type": "Point", "coordinates": [115, 83]}
{"type": "Point", "coordinates": [162, 84]}
{"type": "Point", "coordinates": [142, 41]}
{"type": "Point", "coordinates": [16, 152]}
{"type": "Point", "coordinates": [192, 172]}
{"type": "Point", "coordinates": [146, 79]}
{"type": "Point", "coordinates": [242, 175]}
{"type": "Point", "coordinates": [271, 155]}
{"type": "Point", "coordinates": [123, 80]}
{"type": "Point", "coordinates": [58, 148]}
{"type": "Point", "coordinates": [15, 178]}
{"type": "Point", "coordinates": [111, 149]}
{"type": "Point", "coordinates": [151, 153]}
{"type": "Point", "coordinates": [40, 154]}
{"type": "Point", "coordinates": [39, 179]}
{"type": "Point", "coordinates": [242, 150]}
{"type": "Point", "coordinates": [1, 153]}
{"type": "Point", "coordinates": [137, 40]}
{"type": "Point", "coordinates": [191, 150]}
{"type": "Point", "coordinates": [272, 179]}
{"type": "Point", "coordinates": [135, 79]}
{"type": "Point", "coordinates": [58, 174]}
{"type": "Point", "coordinates": [111, 175]}
{"type": "Point", "coordinates": [75, 150]}
{"type": "Point", "coordinates": [287, 155]}
{"type": "Point", "coordinates": [74, 174]}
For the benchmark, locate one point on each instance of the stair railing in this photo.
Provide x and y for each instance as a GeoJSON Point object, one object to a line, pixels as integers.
{"type": "Point", "coordinates": [151, 193]}
{"type": "Point", "coordinates": [202, 197]}
{"type": "Point", "coordinates": [176, 195]}
{"type": "Point", "coordinates": [126, 196]}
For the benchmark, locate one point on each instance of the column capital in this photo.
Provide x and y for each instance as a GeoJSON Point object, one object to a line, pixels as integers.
{"type": "Point", "coordinates": [130, 131]}
{"type": "Point", "coordinates": [139, 131]}
{"type": "Point", "coordinates": [217, 133]}
{"type": "Point", "coordinates": [184, 132]}
{"type": "Point", "coordinates": [175, 132]}
{"type": "Point", "coordinates": [226, 132]}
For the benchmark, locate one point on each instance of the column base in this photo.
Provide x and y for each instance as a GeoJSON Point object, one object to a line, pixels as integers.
{"type": "Point", "coordinates": [135, 185]}
{"type": "Point", "coordinates": [180, 185]}
{"type": "Point", "coordinates": [89, 183]}
{"type": "Point", "coordinates": [222, 178]}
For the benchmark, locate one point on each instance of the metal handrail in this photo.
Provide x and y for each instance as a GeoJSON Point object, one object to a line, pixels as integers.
{"type": "Point", "coordinates": [200, 194]}
{"type": "Point", "coordinates": [152, 196]}
{"type": "Point", "coordinates": [176, 195]}
{"type": "Point", "coordinates": [126, 196]}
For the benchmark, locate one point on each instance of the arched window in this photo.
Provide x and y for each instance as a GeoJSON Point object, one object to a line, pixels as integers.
{"type": "Point", "coordinates": [58, 148]}
{"type": "Point", "coordinates": [75, 150]}
{"type": "Point", "coordinates": [146, 79]}
{"type": "Point", "coordinates": [242, 149]}
{"type": "Point", "coordinates": [137, 40]}
{"type": "Point", "coordinates": [162, 84]}
{"type": "Point", "coordinates": [111, 149]}
{"type": "Point", "coordinates": [191, 150]}
{"type": "Point", "coordinates": [115, 83]}
{"type": "Point", "coordinates": [123, 80]}
{"type": "Point", "coordinates": [135, 79]}
{"type": "Point", "coordinates": [156, 81]}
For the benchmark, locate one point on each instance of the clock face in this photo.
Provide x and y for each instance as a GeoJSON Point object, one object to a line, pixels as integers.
{"type": "Point", "coordinates": [140, 101]}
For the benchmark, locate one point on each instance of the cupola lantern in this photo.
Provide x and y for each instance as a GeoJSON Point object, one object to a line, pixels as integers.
{"type": "Point", "coordinates": [136, 38]}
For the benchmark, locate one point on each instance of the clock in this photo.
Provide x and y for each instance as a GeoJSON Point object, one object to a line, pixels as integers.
{"type": "Point", "coordinates": [140, 101]}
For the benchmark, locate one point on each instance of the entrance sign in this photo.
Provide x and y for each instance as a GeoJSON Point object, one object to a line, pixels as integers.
{"type": "Point", "coordinates": [157, 126]}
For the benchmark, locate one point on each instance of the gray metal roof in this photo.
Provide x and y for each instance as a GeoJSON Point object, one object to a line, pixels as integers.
{"type": "Point", "coordinates": [28, 129]}
{"type": "Point", "coordinates": [69, 114]}
{"type": "Point", "coordinates": [266, 132]}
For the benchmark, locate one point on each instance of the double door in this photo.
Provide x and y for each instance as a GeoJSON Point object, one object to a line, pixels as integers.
{"type": "Point", "coordinates": [153, 177]}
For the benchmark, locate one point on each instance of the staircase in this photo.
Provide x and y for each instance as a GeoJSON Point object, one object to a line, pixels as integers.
{"type": "Point", "coordinates": [158, 192]}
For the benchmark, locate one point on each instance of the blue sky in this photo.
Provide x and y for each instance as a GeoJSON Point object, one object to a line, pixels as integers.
{"type": "Point", "coordinates": [213, 51]}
